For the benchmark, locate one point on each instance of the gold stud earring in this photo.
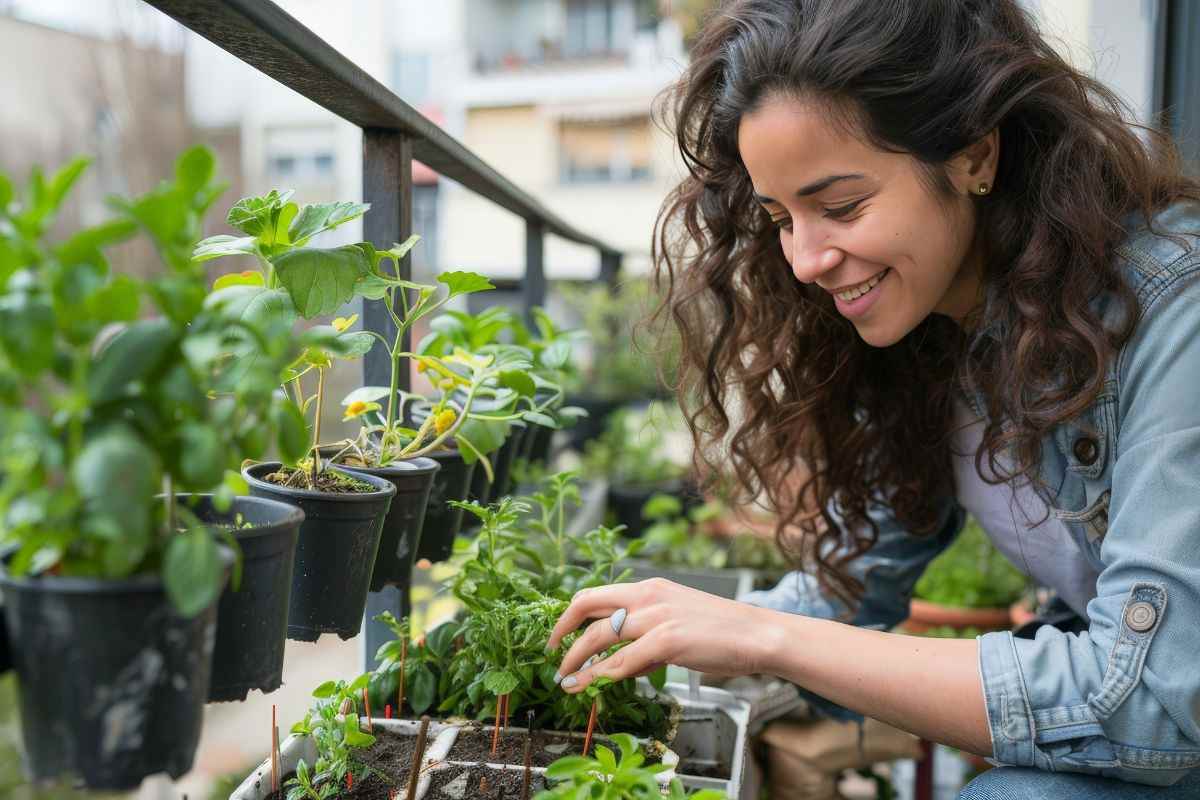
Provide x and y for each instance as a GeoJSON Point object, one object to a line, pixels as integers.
{"type": "Point", "coordinates": [983, 188]}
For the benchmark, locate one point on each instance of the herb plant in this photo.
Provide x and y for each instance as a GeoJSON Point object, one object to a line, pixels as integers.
{"type": "Point", "coordinates": [333, 724]}
{"type": "Point", "coordinates": [972, 573]}
{"type": "Point", "coordinates": [93, 426]}
{"type": "Point", "coordinates": [679, 539]}
{"type": "Point", "coordinates": [615, 776]}
{"type": "Point", "coordinates": [634, 450]}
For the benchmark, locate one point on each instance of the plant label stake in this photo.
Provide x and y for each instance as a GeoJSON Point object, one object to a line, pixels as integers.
{"type": "Point", "coordinates": [587, 739]}
{"type": "Point", "coordinates": [367, 707]}
{"type": "Point", "coordinates": [400, 692]}
{"type": "Point", "coordinates": [387, 711]}
{"type": "Point", "coordinates": [414, 774]}
{"type": "Point", "coordinates": [496, 726]}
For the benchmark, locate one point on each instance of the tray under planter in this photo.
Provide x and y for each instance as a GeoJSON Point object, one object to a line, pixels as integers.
{"type": "Point", "coordinates": [451, 768]}
{"type": "Point", "coordinates": [713, 742]}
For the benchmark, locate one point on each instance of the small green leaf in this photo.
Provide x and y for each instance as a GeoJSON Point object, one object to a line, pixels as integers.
{"type": "Point", "coordinates": [132, 355]}
{"type": "Point", "coordinates": [201, 456]}
{"type": "Point", "coordinates": [319, 217]}
{"type": "Point", "coordinates": [606, 758]}
{"type": "Point", "coordinates": [569, 767]}
{"type": "Point", "coordinates": [27, 332]}
{"type": "Point", "coordinates": [326, 689]}
{"type": "Point", "coordinates": [192, 571]}
{"type": "Point", "coordinates": [500, 682]}
{"type": "Point", "coordinates": [658, 678]}
{"type": "Point", "coordinates": [464, 282]}
{"type": "Point", "coordinates": [518, 381]}
{"type": "Point", "coordinates": [367, 394]}
{"type": "Point", "coordinates": [424, 689]}
{"type": "Point", "coordinates": [399, 251]}
{"type": "Point", "coordinates": [538, 418]}
{"type": "Point", "coordinates": [194, 169]}
{"type": "Point", "coordinates": [248, 278]}
{"type": "Point", "coordinates": [224, 245]}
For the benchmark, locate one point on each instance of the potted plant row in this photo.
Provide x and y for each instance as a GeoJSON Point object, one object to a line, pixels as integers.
{"type": "Point", "coordinates": [121, 525]}
{"type": "Point", "coordinates": [490, 663]}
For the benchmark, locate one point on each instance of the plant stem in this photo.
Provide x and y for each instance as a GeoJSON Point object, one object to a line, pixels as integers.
{"type": "Point", "coordinates": [496, 727]}
{"type": "Point", "coordinates": [316, 451]}
{"type": "Point", "coordinates": [400, 693]}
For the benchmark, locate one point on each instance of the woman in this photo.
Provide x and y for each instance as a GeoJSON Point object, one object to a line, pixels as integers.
{"type": "Point", "coordinates": [922, 267]}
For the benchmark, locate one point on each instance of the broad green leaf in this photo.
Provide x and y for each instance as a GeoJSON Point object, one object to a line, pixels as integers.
{"type": "Point", "coordinates": [321, 281]}
{"type": "Point", "coordinates": [202, 457]}
{"type": "Point", "coordinates": [253, 215]}
{"type": "Point", "coordinates": [84, 244]}
{"type": "Point", "coordinates": [556, 355]}
{"type": "Point", "coordinates": [373, 287]}
{"type": "Point", "coordinates": [464, 282]}
{"type": "Point", "coordinates": [662, 505]}
{"type": "Point", "coordinates": [225, 245]}
{"type": "Point", "coordinates": [500, 682]}
{"type": "Point", "coordinates": [6, 193]}
{"type": "Point", "coordinates": [359, 683]}
{"type": "Point", "coordinates": [319, 217]}
{"type": "Point", "coordinates": [192, 571]}
{"type": "Point", "coordinates": [118, 301]}
{"type": "Point", "coordinates": [118, 475]}
{"type": "Point", "coordinates": [326, 689]}
{"type": "Point", "coordinates": [27, 332]}
{"type": "Point", "coordinates": [658, 678]}
{"type": "Point", "coordinates": [423, 690]}
{"type": "Point", "coordinates": [133, 355]}
{"type": "Point", "coordinates": [569, 767]}
{"type": "Point", "coordinates": [62, 182]}
{"type": "Point", "coordinates": [441, 639]}
{"type": "Point", "coordinates": [606, 758]}
{"type": "Point", "coordinates": [367, 394]}
{"type": "Point", "coordinates": [266, 309]}
{"type": "Point", "coordinates": [291, 431]}
{"type": "Point", "coordinates": [538, 418]}
{"type": "Point", "coordinates": [346, 344]}
{"type": "Point", "coordinates": [485, 435]}
{"type": "Point", "coordinates": [194, 169]}
{"type": "Point", "coordinates": [286, 215]}
{"type": "Point", "coordinates": [518, 381]}
{"type": "Point", "coordinates": [355, 737]}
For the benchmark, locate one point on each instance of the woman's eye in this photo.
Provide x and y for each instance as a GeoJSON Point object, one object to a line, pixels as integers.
{"type": "Point", "coordinates": [843, 211]}
{"type": "Point", "coordinates": [783, 221]}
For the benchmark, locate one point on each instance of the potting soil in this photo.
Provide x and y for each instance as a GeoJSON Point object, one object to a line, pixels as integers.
{"type": "Point", "coordinates": [390, 756]}
{"type": "Point", "coordinates": [459, 783]}
{"type": "Point", "coordinates": [332, 482]}
{"type": "Point", "coordinates": [476, 745]}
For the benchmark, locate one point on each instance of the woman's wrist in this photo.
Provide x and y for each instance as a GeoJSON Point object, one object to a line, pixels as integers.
{"type": "Point", "coordinates": [772, 635]}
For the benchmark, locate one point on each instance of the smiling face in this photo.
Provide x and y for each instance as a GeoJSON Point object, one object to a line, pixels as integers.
{"type": "Point", "coordinates": [865, 224]}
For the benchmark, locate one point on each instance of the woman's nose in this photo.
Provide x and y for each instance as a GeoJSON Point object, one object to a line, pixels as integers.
{"type": "Point", "coordinates": [810, 259]}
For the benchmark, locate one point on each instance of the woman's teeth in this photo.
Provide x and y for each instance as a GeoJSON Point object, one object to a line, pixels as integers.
{"type": "Point", "coordinates": [861, 289]}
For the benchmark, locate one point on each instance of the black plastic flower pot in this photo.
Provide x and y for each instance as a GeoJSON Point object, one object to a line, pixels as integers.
{"type": "Point", "coordinates": [443, 521]}
{"type": "Point", "coordinates": [112, 679]}
{"type": "Point", "coordinates": [335, 553]}
{"type": "Point", "coordinates": [402, 528]}
{"type": "Point", "coordinates": [625, 501]}
{"type": "Point", "coordinates": [252, 618]}
{"type": "Point", "coordinates": [592, 426]}
{"type": "Point", "coordinates": [507, 455]}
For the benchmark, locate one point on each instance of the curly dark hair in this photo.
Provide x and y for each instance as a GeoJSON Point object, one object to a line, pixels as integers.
{"type": "Point", "coordinates": [778, 388]}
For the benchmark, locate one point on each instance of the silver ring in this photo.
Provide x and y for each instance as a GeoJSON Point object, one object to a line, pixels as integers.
{"type": "Point", "coordinates": [617, 621]}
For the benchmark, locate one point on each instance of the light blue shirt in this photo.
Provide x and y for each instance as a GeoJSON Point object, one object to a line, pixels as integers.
{"type": "Point", "coordinates": [1122, 699]}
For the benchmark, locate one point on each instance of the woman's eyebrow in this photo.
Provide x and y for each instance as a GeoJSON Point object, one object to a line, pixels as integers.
{"type": "Point", "coordinates": [814, 187]}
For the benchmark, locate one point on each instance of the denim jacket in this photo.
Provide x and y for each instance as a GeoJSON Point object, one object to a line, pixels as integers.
{"type": "Point", "coordinates": [1121, 699]}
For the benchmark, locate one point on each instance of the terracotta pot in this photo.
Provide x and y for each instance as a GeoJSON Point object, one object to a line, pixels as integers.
{"type": "Point", "coordinates": [1021, 613]}
{"type": "Point", "coordinates": [923, 615]}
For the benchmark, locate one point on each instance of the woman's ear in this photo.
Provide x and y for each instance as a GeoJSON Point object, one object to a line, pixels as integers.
{"type": "Point", "coordinates": [973, 169]}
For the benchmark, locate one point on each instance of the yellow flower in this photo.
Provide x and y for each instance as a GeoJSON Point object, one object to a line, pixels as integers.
{"type": "Point", "coordinates": [444, 421]}
{"type": "Point", "coordinates": [342, 323]}
{"type": "Point", "coordinates": [358, 408]}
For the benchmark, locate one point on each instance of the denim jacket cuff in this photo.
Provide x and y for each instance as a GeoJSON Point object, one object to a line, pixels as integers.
{"type": "Point", "coordinates": [1010, 719]}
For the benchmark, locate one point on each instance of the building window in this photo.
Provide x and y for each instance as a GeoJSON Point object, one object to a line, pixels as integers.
{"type": "Point", "coordinates": [410, 77]}
{"type": "Point", "coordinates": [605, 151]}
{"type": "Point", "coordinates": [589, 28]}
{"type": "Point", "coordinates": [300, 156]}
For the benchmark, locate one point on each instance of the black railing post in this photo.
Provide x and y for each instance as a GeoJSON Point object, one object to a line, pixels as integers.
{"type": "Point", "coordinates": [534, 283]}
{"type": "Point", "coordinates": [610, 268]}
{"type": "Point", "coordinates": [387, 186]}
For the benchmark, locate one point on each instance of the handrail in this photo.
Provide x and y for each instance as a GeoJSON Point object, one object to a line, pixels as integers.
{"type": "Point", "coordinates": [272, 41]}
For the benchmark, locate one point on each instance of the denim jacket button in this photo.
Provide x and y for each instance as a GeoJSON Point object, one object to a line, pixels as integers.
{"type": "Point", "coordinates": [1141, 616]}
{"type": "Point", "coordinates": [1086, 450]}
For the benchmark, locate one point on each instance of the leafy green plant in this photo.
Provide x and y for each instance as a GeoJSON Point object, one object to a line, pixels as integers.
{"type": "Point", "coordinates": [514, 581]}
{"type": "Point", "coordinates": [633, 450]}
{"type": "Point", "coordinates": [333, 724]}
{"type": "Point", "coordinates": [613, 776]}
{"type": "Point", "coordinates": [972, 573]}
{"type": "Point", "coordinates": [296, 279]}
{"type": "Point", "coordinates": [93, 425]}
{"type": "Point", "coordinates": [679, 539]}
{"type": "Point", "coordinates": [619, 369]}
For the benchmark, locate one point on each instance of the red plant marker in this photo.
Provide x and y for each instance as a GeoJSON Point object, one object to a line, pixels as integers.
{"type": "Point", "coordinates": [387, 711]}
{"type": "Point", "coordinates": [587, 739]}
{"type": "Point", "coordinates": [367, 706]}
{"type": "Point", "coordinates": [349, 781]}
{"type": "Point", "coordinates": [496, 727]}
{"type": "Point", "coordinates": [274, 768]}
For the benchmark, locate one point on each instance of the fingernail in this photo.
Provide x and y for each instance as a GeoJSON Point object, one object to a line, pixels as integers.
{"type": "Point", "coordinates": [557, 679]}
{"type": "Point", "coordinates": [569, 681]}
{"type": "Point", "coordinates": [589, 662]}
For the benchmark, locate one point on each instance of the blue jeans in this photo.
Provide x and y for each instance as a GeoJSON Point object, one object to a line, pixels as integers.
{"type": "Point", "coordinates": [1021, 783]}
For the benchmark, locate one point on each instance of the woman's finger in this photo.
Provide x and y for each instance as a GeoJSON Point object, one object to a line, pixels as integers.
{"type": "Point", "coordinates": [640, 657]}
{"type": "Point", "coordinates": [600, 636]}
{"type": "Point", "coordinates": [602, 601]}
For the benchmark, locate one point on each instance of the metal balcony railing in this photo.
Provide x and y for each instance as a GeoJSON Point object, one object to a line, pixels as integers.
{"type": "Point", "coordinates": [269, 39]}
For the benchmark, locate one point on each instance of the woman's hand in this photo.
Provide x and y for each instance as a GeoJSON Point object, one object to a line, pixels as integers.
{"type": "Point", "coordinates": [666, 624]}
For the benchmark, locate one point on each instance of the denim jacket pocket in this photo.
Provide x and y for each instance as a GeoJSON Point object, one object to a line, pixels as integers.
{"type": "Point", "coordinates": [1093, 519]}
{"type": "Point", "coordinates": [1141, 618]}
